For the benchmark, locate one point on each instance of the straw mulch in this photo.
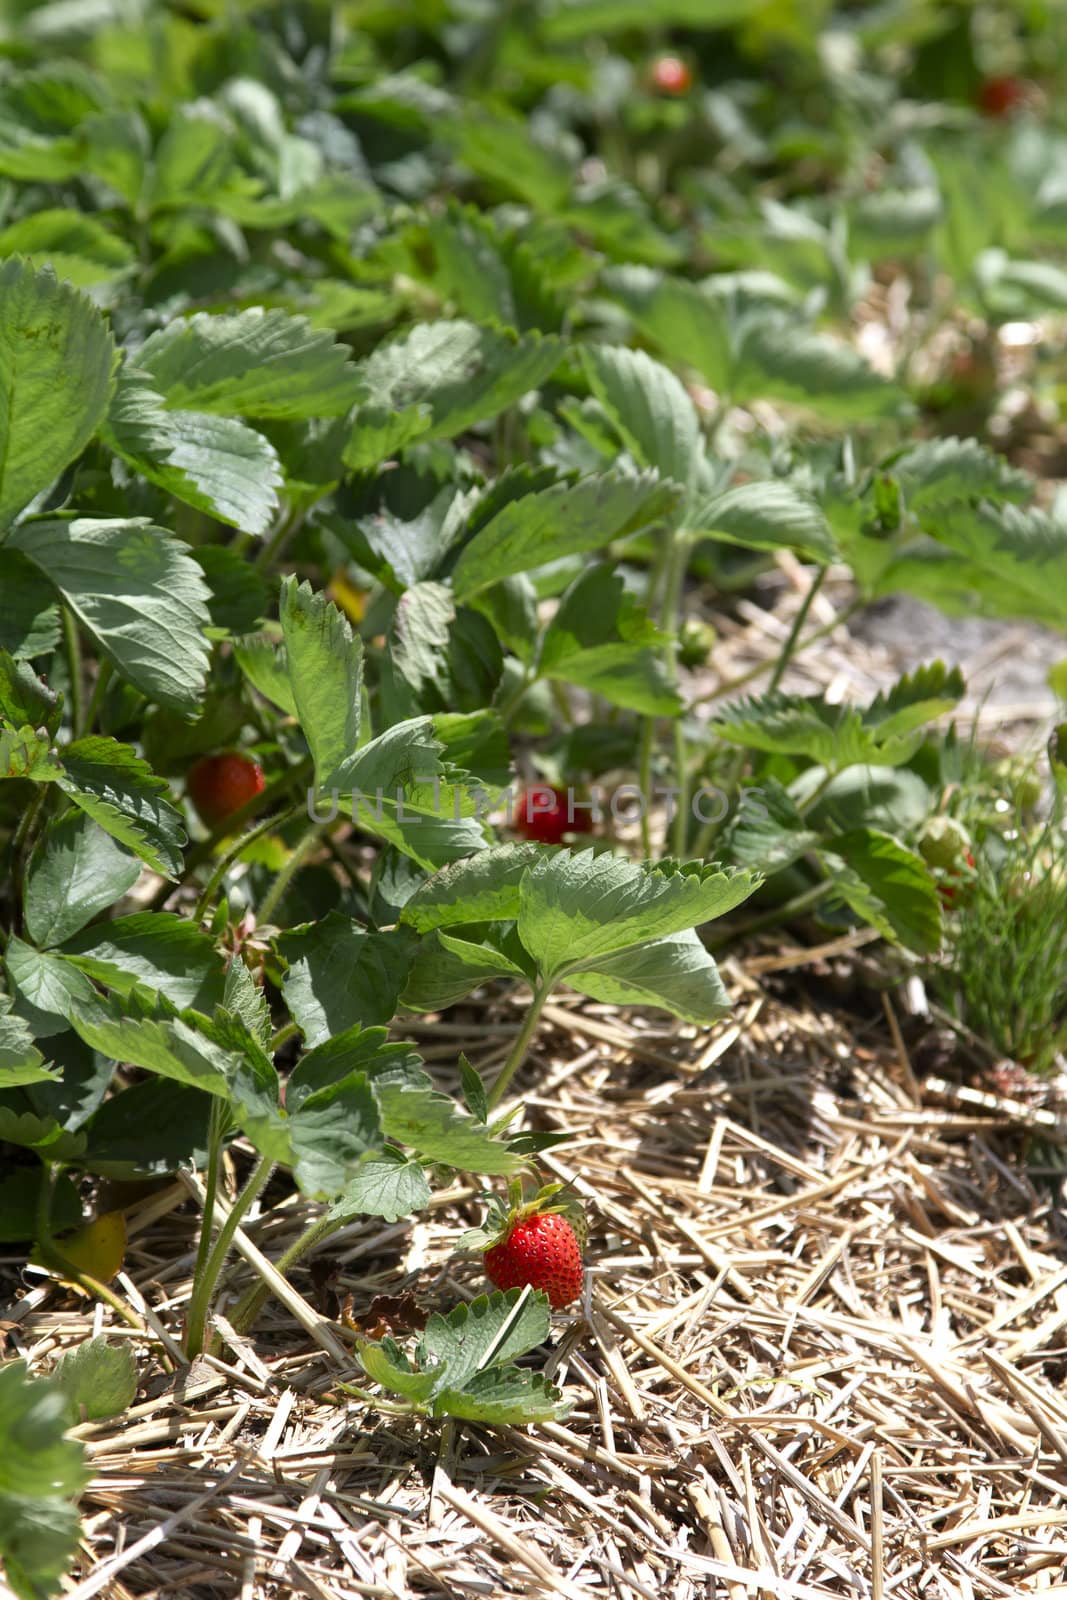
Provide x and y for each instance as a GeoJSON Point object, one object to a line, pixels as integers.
{"type": "Point", "coordinates": [821, 1351]}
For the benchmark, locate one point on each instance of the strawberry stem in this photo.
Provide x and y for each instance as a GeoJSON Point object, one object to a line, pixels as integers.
{"type": "Point", "coordinates": [521, 1045]}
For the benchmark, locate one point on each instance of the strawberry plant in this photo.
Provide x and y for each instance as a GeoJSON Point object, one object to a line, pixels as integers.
{"type": "Point", "coordinates": [387, 398]}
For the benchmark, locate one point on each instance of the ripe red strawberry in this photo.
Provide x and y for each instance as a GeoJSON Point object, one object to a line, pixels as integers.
{"type": "Point", "coordinates": [671, 75]}
{"type": "Point", "coordinates": [999, 97]}
{"type": "Point", "coordinates": [220, 785]}
{"type": "Point", "coordinates": [541, 814]}
{"type": "Point", "coordinates": [540, 1249]}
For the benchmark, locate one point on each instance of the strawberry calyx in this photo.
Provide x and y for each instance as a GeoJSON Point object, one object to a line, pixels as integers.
{"type": "Point", "coordinates": [502, 1215]}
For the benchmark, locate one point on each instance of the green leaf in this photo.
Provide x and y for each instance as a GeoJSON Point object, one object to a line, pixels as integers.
{"type": "Point", "coordinates": [423, 626]}
{"type": "Point", "coordinates": [601, 640]}
{"type": "Point", "coordinates": [238, 598]}
{"type": "Point", "coordinates": [138, 593]}
{"type": "Point", "coordinates": [325, 667]}
{"type": "Point", "coordinates": [157, 949]}
{"type": "Point", "coordinates": [214, 463]}
{"type": "Point", "coordinates": [41, 1475]}
{"type": "Point", "coordinates": [578, 906]}
{"type": "Point", "coordinates": [464, 373]}
{"type": "Point", "coordinates": [888, 886]}
{"type": "Point", "coordinates": [20, 1060]}
{"type": "Point", "coordinates": [332, 1130]}
{"type": "Point", "coordinates": [382, 1362]}
{"type": "Point", "coordinates": [381, 433]}
{"type": "Point", "coordinates": [940, 471]}
{"type": "Point", "coordinates": [194, 159]}
{"type": "Point", "coordinates": [492, 1329]}
{"type": "Point", "coordinates": [121, 792]}
{"type": "Point", "coordinates": [446, 969]}
{"type": "Point", "coordinates": [45, 987]}
{"type": "Point", "coordinates": [437, 1130]}
{"type": "Point", "coordinates": [689, 326]}
{"type": "Point", "coordinates": [499, 145]}
{"type": "Point", "coordinates": [99, 1379]}
{"type": "Point", "coordinates": [404, 793]}
{"type": "Point", "coordinates": [386, 1185]}
{"type": "Point", "coordinates": [19, 1197]}
{"type": "Point", "coordinates": [568, 20]}
{"type": "Point", "coordinates": [251, 363]}
{"type": "Point", "coordinates": [76, 871]}
{"type": "Point", "coordinates": [767, 831]}
{"type": "Point", "coordinates": [482, 888]}
{"type": "Point", "coordinates": [1023, 552]}
{"type": "Point", "coordinates": [339, 974]}
{"type": "Point", "coordinates": [780, 361]}
{"type": "Point", "coordinates": [503, 1395]}
{"type": "Point", "coordinates": [568, 519]}
{"type": "Point", "coordinates": [25, 753]}
{"type": "Point", "coordinates": [25, 699]}
{"type": "Point", "coordinates": [150, 1130]}
{"type": "Point", "coordinates": [78, 248]}
{"type": "Point", "coordinates": [29, 615]}
{"type": "Point", "coordinates": [650, 408]}
{"type": "Point", "coordinates": [56, 360]}
{"type": "Point", "coordinates": [475, 1097]}
{"type": "Point", "coordinates": [886, 733]}
{"type": "Point", "coordinates": [244, 998]}
{"type": "Point", "coordinates": [765, 515]}
{"type": "Point", "coordinates": [264, 665]}
{"type": "Point", "coordinates": [676, 973]}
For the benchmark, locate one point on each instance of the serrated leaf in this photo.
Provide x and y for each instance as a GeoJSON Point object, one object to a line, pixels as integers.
{"type": "Point", "coordinates": [437, 1130]}
{"type": "Point", "coordinates": [243, 996]}
{"type": "Point", "coordinates": [122, 793]}
{"type": "Point", "coordinates": [29, 615]}
{"type": "Point", "coordinates": [499, 145]}
{"type": "Point", "coordinates": [675, 974]}
{"type": "Point", "coordinates": [264, 665]}
{"type": "Point", "coordinates": [56, 359]}
{"type": "Point", "coordinates": [781, 361]}
{"type": "Point", "coordinates": [149, 1130]}
{"type": "Point", "coordinates": [45, 988]}
{"type": "Point", "coordinates": [578, 906]}
{"type": "Point", "coordinates": [383, 1185]}
{"type": "Point", "coordinates": [603, 641]}
{"type": "Point", "coordinates": [41, 1475]}
{"type": "Point", "coordinates": [1009, 550]}
{"type": "Point", "coordinates": [939, 471]}
{"type": "Point", "coordinates": [156, 949]}
{"type": "Point", "coordinates": [567, 519]}
{"type": "Point", "coordinates": [99, 1379]}
{"type": "Point", "coordinates": [492, 1329]}
{"type": "Point", "coordinates": [651, 409]}
{"type": "Point", "coordinates": [835, 736]}
{"type": "Point", "coordinates": [765, 515]}
{"type": "Point", "coordinates": [214, 463]}
{"type": "Point", "coordinates": [20, 1060]}
{"type": "Point", "coordinates": [767, 831]}
{"type": "Point", "coordinates": [138, 593]}
{"type": "Point", "coordinates": [324, 663]}
{"type": "Point", "coordinates": [689, 326]}
{"type": "Point", "coordinates": [194, 159]}
{"type": "Point", "coordinates": [423, 627]}
{"type": "Point", "coordinates": [481, 888]}
{"type": "Point", "coordinates": [20, 1196]}
{"type": "Point", "coordinates": [888, 886]}
{"type": "Point", "coordinates": [251, 363]}
{"type": "Point", "coordinates": [464, 373]}
{"type": "Point", "coordinates": [378, 1363]}
{"type": "Point", "coordinates": [76, 871]}
{"type": "Point", "coordinates": [79, 249]}
{"type": "Point", "coordinates": [338, 973]}
{"type": "Point", "coordinates": [332, 1130]}
{"type": "Point", "coordinates": [503, 1395]}
{"type": "Point", "coordinates": [446, 969]}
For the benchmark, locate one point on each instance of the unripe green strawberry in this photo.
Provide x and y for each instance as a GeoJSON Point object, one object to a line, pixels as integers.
{"type": "Point", "coordinates": [220, 785]}
{"type": "Point", "coordinates": [540, 1251]}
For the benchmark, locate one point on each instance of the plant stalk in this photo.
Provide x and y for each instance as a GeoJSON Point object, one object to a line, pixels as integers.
{"type": "Point", "coordinates": [56, 1262]}
{"type": "Point", "coordinates": [227, 859]}
{"type": "Point", "coordinates": [245, 1313]}
{"type": "Point", "coordinates": [522, 1043]}
{"type": "Point", "coordinates": [303, 850]}
{"type": "Point", "coordinates": [204, 1287]}
{"type": "Point", "coordinates": [776, 914]}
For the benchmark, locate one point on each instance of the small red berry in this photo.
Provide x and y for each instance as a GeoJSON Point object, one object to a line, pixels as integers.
{"type": "Point", "coordinates": [671, 75]}
{"type": "Point", "coordinates": [542, 1251]}
{"type": "Point", "coordinates": [541, 814]}
{"type": "Point", "coordinates": [220, 785]}
{"type": "Point", "coordinates": [998, 97]}
{"type": "Point", "coordinates": [947, 891]}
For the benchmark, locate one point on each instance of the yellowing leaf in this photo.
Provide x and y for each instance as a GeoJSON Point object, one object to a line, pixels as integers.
{"type": "Point", "coordinates": [352, 600]}
{"type": "Point", "coordinates": [98, 1249]}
